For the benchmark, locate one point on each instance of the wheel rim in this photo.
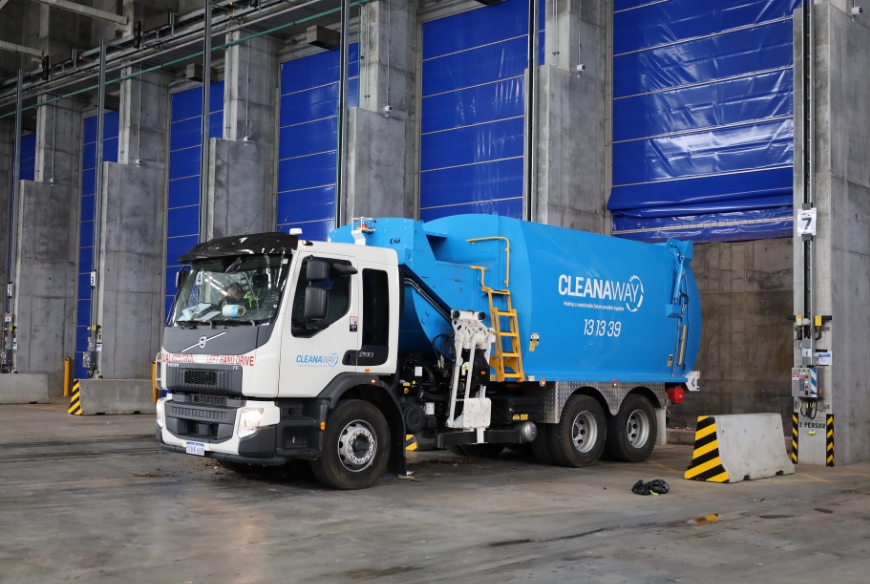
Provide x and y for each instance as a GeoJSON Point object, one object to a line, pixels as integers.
{"type": "Point", "coordinates": [584, 431]}
{"type": "Point", "coordinates": [357, 446]}
{"type": "Point", "coordinates": [637, 428]}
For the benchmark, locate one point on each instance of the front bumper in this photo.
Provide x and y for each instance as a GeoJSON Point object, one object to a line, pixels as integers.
{"type": "Point", "coordinates": [257, 449]}
{"type": "Point", "coordinates": [289, 430]}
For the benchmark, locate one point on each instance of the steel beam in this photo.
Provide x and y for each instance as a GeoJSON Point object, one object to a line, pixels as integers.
{"type": "Point", "coordinates": [204, 155]}
{"type": "Point", "coordinates": [13, 48]}
{"type": "Point", "coordinates": [342, 114]}
{"type": "Point", "coordinates": [94, 340]}
{"type": "Point", "coordinates": [13, 229]}
{"type": "Point", "coordinates": [85, 10]}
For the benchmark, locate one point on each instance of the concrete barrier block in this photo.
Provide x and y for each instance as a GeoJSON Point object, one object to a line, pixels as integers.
{"type": "Point", "coordinates": [730, 449]}
{"type": "Point", "coordinates": [114, 396]}
{"type": "Point", "coordinates": [24, 388]}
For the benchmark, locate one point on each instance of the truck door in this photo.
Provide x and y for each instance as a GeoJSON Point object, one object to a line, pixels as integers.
{"type": "Point", "coordinates": [316, 350]}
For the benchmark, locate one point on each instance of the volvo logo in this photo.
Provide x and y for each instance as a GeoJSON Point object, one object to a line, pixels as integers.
{"type": "Point", "coordinates": [202, 341]}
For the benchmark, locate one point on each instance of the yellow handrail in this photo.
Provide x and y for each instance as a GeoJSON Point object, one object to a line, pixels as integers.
{"type": "Point", "coordinates": [507, 251]}
{"type": "Point", "coordinates": [154, 380]}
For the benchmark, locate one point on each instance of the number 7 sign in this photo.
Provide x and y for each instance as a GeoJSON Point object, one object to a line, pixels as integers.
{"type": "Point", "coordinates": [806, 222]}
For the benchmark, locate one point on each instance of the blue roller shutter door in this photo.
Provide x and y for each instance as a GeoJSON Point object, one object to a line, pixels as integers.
{"type": "Point", "coordinates": [308, 140]}
{"type": "Point", "coordinates": [86, 224]}
{"type": "Point", "coordinates": [27, 168]}
{"type": "Point", "coordinates": [472, 123]}
{"type": "Point", "coordinates": [185, 147]}
{"type": "Point", "coordinates": [703, 128]}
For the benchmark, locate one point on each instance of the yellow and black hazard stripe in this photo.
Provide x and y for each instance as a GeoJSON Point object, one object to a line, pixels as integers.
{"type": "Point", "coordinates": [706, 464]}
{"type": "Point", "coordinates": [829, 440]}
{"type": "Point", "coordinates": [410, 442]}
{"type": "Point", "coordinates": [794, 438]}
{"type": "Point", "coordinates": [75, 405]}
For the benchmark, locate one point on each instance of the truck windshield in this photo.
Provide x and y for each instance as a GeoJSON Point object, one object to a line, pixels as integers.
{"type": "Point", "coordinates": [232, 289]}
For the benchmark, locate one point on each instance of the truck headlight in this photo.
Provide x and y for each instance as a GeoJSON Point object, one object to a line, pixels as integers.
{"type": "Point", "coordinates": [250, 421]}
{"type": "Point", "coordinates": [161, 412]}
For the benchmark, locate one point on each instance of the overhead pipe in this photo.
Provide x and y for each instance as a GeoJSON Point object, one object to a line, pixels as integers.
{"type": "Point", "coordinates": [149, 50]}
{"type": "Point", "coordinates": [81, 72]}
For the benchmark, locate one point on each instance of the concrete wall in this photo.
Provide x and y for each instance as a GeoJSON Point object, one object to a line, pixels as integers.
{"type": "Point", "coordinates": [44, 274]}
{"type": "Point", "coordinates": [570, 144]}
{"type": "Point", "coordinates": [131, 264]}
{"type": "Point", "coordinates": [44, 301]}
{"type": "Point", "coordinates": [130, 273]}
{"type": "Point", "coordinates": [381, 159]}
{"type": "Point", "coordinates": [746, 351]}
{"type": "Point", "coordinates": [842, 197]}
{"type": "Point", "coordinates": [244, 202]}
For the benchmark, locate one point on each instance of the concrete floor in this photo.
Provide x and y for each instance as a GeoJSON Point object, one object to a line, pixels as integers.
{"type": "Point", "coordinates": [92, 499]}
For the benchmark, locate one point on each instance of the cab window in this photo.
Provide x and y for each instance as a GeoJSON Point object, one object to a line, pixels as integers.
{"type": "Point", "coordinates": [338, 287]}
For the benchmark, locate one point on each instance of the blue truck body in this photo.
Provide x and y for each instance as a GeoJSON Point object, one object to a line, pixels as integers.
{"type": "Point", "coordinates": [589, 307]}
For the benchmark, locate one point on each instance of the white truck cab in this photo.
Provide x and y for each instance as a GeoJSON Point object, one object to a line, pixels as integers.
{"type": "Point", "coordinates": [264, 336]}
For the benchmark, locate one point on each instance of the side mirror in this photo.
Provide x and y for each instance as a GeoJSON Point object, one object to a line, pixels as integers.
{"type": "Point", "coordinates": [317, 270]}
{"type": "Point", "coordinates": [180, 277]}
{"type": "Point", "coordinates": [316, 303]}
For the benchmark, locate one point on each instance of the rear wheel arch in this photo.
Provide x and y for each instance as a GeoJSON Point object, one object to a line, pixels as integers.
{"type": "Point", "coordinates": [648, 394]}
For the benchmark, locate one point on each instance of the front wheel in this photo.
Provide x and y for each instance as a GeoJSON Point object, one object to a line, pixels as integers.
{"type": "Point", "coordinates": [356, 447]}
{"type": "Point", "coordinates": [631, 433]}
{"type": "Point", "coordinates": [578, 439]}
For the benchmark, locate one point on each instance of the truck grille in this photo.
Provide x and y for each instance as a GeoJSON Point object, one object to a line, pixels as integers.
{"type": "Point", "coordinates": [209, 400]}
{"type": "Point", "coordinates": [200, 377]}
{"type": "Point", "coordinates": [214, 381]}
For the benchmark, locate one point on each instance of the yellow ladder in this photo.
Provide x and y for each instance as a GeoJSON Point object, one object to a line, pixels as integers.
{"type": "Point", "coordinates": [507, 359]}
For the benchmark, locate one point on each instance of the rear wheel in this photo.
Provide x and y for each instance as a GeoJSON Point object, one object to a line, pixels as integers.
{"type": "Point", "coordinates": [631, 433]}
{"type": "Point", "coordinates": [578, 439]}
{"type": "Point", "coordinates": [541, 445]}
{"type": "Point", "coordinates": [483, 450]}
{"type": "Point", "coordinates": [356, 447]}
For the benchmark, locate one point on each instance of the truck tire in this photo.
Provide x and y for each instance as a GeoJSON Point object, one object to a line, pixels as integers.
{"type": "Point", "coordinates": [541, 445]}
{"type": "Point", "coordinates": [359, 462]}
{"type": "Point", "coordinates": [490, 450]}
{"type": "Point", "coordinates": [631, 433]}
{"type": "Point", "coordinates": [457, 449]}
{"type": "Point", "coordinates": [579, 437]}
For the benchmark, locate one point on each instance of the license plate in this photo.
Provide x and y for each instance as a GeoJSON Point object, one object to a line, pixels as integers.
{"type": "Point", "coordinates": [195, 448]}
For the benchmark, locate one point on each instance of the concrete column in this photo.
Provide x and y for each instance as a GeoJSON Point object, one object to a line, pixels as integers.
{"type": "Point", "coordinates": [130, 273]}
{"type": "Point", "coordinates": [242, 168]}
{"type": "Point", "coordinates": [44, 272]}
{"type": "Point", "coordinates": [381, 158]}
{"type": "Point", "coordinates": [842, 198]}
{"type": "Point", "coordinates": [570, 139]}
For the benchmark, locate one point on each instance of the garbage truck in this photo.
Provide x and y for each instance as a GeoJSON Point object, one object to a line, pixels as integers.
{"type": "Point", "coordinates": [481, 332]}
